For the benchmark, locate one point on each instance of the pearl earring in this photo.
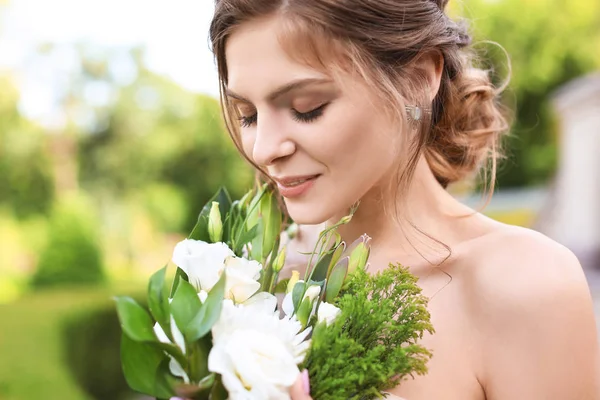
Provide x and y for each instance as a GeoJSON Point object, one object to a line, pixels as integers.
{"type": "Point", "coordinates": [416, 113]}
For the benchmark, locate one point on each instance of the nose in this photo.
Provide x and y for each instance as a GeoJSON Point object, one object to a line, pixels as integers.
{"type": "Point", "coordinates": [271, 142]}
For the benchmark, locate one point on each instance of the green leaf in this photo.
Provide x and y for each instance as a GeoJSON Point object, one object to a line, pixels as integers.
{"type": "Point", "coordinates": [172, 350]}
{"type": "Point", "coordinates": [254, 209]}
{"type": "Point", "coordinates": [336, 280]}
{"type": "Point", "coordinates": [141, 364]}
{"type": "Point", "coordinates": [281, 286]}
{"type": "Point", "coordinates": [298, 294]}
{"type": "Point", "coordinates": [200, 231]}
{"type": "Point", "coordinates": [224, 199]}
{"type": "Point", "coordinates": [198, 356]}
{"type": "Point", "coordinates": [185, 306]}
{"type": "Point", "coordinates": [271, 223]}
{"type": "Point", "coordinates": [337, 254]}
{"type": "Point", "coordinates": [304, 311]}
{"type": "Point", "coordinates": [199, 391]}
{"type": "Point", "coordinates": [218, 391]}
{"type": "Point", "coordinates": [321, 284]}
{"type": "Point", "coordinates": [228, 225]}
{"type": "Point", "coordinates": [256, 252]}
{"type": "Point", "coordinates": [207, 381]}
{"type": "Point", "coordinates": [164, 379]}
{"type": "Point", "coordinates": [322, 267]}
{"type": "Point", "coordinates": [180, 275]}
{"type": "Point", "coordinates": [135, 321]}
{"type": "Point", "coordinates": [208, 313]}
{"type": "Point", "coordinates": [247, 236]}
{"type": "Point", "coordinates": [158, 301]}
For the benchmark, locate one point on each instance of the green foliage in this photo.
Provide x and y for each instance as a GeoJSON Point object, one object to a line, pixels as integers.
{"type": "Point", "coordinates": [157, 134]}
{"type": "Point", "coordinates": [72, 254]}
{"type": "Point", "coordinates": [90, 342]}
{"type": "Point", "coordinates": [372, 346]}
{"type": "Point", "coordinates": [166, 205]}
{"type": "Point", "coordinates": [37, 350]}
{"type": "Point", "coordinates": [549, 43]}
{"type": "Point", "coordinates": [26, 183]}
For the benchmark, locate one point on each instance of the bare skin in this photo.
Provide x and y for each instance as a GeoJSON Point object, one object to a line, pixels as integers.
{"type": "Point", "coordinates": [515, 321]}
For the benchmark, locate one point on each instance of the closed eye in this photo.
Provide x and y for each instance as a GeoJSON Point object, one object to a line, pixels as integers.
{"type": "Point", "coordinates": [310, 115]}
{"type": "Point", "coordinates": [306, 117]}
{"type": "Point", "coordinates": [248, 121]}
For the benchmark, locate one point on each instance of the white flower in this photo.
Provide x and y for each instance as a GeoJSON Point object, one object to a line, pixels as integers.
{"type": "Point", "coordinates": [202, 295]}
{"type": "Point", "coordinates": [311, 293]}
{"type": "Point", "coordinates": [263, 302]}
{"type": "Point", "coordinates": [256, 352]}
{"type": "Point", "coordinates": [241, 280]}
{"type": "Point", "coordinates": [202, 262]}
{"type": "Point", "coordinates": [327, 313]}
{"type": "Point", "coordinates": [174, 366]}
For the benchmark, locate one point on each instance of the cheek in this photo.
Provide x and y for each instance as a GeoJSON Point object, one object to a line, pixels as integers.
{"type": "Point", "coordinates": [357, 140]}
{"type": "Point", "coordinates": [247, 140]}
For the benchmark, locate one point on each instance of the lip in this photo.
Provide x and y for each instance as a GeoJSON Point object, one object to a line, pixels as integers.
{"type": "Point", "coordinates": [287, 191]}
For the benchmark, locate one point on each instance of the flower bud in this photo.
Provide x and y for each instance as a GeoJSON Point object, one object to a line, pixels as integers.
{"type": "Point", "coordinates": [359, 253]}
{"type": "Point", "coordinates": [215, 224]}
{"type": "Point", "coordinates": [271, 216]}
{"type": "Point", "coordinates": [312, 292]}
{"type": "Point", "coordinates": [279, 261]}
{"type": "Point", "coordinates": [346, 219]}
{"type": "Point", "coordinates": [327, 313]}
{"type": "Point", "coordinates": [308, 305]}
{"type": "Point", "coordinates": [292, 282]}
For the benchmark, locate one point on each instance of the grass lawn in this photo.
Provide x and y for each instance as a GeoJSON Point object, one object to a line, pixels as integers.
{"type": "Point", "coordinates": [31, 365]}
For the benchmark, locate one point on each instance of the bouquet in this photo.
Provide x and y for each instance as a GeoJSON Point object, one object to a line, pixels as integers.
{"type": "Point", "coordinates": [226, 326]}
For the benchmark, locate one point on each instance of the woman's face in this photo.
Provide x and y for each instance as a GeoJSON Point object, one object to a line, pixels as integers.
{"type": "Point", "coordinates": [327, 145]}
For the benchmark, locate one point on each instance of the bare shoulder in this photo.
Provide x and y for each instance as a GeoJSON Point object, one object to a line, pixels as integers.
{"type": "Point", "coordinates": [533, 312]}
{"type": "Point", "coordinates": [514, 264]}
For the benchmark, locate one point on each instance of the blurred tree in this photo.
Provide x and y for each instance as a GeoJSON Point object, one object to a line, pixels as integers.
{"type": "Point", "coordinates": [158, 133]}
{"type": "Point", "coordinates": [26, 181]}
{"type": "Point", "coordinates": [72, 254]}
{"type": "Point", "coordinates": [549, 42]}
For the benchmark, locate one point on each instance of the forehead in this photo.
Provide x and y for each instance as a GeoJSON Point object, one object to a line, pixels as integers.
{"type": "Point", "coordinates": [257, 62]}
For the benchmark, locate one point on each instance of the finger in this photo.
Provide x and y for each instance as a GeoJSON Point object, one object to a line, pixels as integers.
{"type": "Point", "coordinates": [301, 388]}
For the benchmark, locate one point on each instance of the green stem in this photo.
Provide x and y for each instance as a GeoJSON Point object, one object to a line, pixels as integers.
{"type": "Point", "coordinates": [256, 204]}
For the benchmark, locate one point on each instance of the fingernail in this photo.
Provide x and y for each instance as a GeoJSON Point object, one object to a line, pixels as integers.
{"type": "Point", "coordinates": [305, 381]}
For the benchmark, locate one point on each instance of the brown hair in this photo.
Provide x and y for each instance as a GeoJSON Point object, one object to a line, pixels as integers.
{"type": "Point", "coordinates": [380, 40]}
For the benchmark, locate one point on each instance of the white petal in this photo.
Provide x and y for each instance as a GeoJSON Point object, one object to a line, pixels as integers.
{"type": "Point", "coordinates": [238, 285]}
{"type": "Point", "coordinates": [177, 370]}
{"type": "Point", "coordinates": [160, 333]}
{"type": "Point", "coordinates": [177, 335]}
{"type": "Point", "coordinates": [312, 292]}
{"type": "Point", "coordinates": [262, 302]}
{"type": "Point", "coordinates": [202, 295]}
{"type": "Point", "coordinates": [288, 305]}
{"type": "Point", "coordinates": [327, 313]}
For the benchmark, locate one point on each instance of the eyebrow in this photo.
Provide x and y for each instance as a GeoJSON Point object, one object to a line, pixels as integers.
{"type": "Point", "coordinates": [274, 95]}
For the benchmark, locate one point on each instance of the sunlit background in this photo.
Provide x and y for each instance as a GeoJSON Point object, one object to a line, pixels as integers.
{"type": "Point", "coordinates": [111, 140]}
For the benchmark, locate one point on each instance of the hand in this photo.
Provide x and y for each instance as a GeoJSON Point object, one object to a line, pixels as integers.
{"type": "Point", "coordinates": [301, 389]}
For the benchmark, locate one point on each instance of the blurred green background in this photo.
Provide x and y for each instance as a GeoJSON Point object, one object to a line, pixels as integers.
{"type": "Point", "coordinates": [91, 205]}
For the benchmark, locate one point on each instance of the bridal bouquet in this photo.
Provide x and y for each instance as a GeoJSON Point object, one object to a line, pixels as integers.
{"type": "Point", "coordinates": [220, 332]}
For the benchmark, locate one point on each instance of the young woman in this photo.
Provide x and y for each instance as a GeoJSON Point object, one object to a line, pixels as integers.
{"type": "Point", "coordinates": [378, 102]}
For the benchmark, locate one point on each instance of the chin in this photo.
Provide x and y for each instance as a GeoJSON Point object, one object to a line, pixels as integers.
{"type": "Point", "coordinates": [308, 213]}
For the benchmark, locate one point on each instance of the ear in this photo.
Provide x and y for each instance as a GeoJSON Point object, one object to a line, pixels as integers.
{"type": "Point", "coordinates": [431, 65]}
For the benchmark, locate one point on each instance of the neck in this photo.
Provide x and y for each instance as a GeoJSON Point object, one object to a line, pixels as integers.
{"type": "Point", "coordinates": [423, 224]}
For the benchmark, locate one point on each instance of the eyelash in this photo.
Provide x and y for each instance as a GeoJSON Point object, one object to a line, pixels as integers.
{"type": "Point", "coordinates": [306, 117]}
